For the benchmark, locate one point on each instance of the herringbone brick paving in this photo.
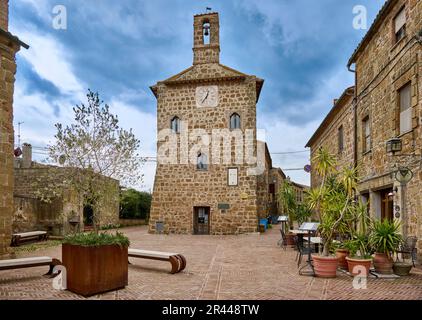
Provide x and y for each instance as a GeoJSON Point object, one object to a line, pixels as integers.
{"type": "Point", "coordinates": [219, 267]}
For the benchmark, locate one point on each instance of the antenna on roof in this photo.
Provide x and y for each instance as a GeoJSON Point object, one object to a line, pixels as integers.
{"type": "Point", "coordinates": [19, 132]}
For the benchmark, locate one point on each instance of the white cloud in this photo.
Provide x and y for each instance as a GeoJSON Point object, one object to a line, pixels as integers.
{"type": "Point", "coordinates": [50, 60]}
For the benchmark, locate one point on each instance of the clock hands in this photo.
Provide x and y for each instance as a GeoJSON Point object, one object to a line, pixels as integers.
{"type": "Point", "coordinates": [206, 96]}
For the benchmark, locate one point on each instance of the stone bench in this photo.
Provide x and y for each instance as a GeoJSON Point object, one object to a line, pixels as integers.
{"type": "Point", "coordinates": [18, 238]}
{"type": "Point", "coordinates": [29, 263]}
{"type": "Point", "coordinates": [178, 261]}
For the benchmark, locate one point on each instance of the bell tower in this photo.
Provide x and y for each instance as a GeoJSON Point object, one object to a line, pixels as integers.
{"type": "Point", "coordinates": [206, 38]}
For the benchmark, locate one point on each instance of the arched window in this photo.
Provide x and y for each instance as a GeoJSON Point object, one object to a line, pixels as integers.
{"type": "Point", "coordinates": [206, 32]}
{"type": "Point", "coordinates": [234, 121]}
{"type": "Point", "coordinates": [175, 125]}
{"type": "Point", "coordinates": [202, 162]}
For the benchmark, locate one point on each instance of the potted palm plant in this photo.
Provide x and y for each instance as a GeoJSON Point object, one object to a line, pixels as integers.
{"type": "Point", "coordinates": [385, 239]}
{"type": "Point", "coordinates": [334, 203]}
{"type": "Point", "coordinates": [95, 262]}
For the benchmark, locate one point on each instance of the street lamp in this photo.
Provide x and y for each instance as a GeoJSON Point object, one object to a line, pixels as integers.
{"type": "Point", "coordinates": [394, 145]}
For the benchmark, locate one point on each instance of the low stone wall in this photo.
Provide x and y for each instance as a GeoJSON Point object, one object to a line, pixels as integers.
{"type": "Point", "coordinates": [132, 222]}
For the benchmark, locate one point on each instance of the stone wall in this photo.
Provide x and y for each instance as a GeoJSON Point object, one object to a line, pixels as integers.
{"type": "Point", "coordinates": [327, 135]}
{"type": "Point", "coordinates": [263, 198]}
{"type": "Point", "coordinates": [62, 204]}
{"type": "Point", "coordinates": [32, 214]}
{"type": "Point", "coordinates": [276, 177]}
{"type": "Point", "coordinates": [383, 67]}
{"type": "Point", "coordinates": [8, 50]}
{"type": "Point", "coordinates": [4, 14]}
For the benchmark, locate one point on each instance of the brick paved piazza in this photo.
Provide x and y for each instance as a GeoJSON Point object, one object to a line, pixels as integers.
{"type": "Point", "coordinates": [219, 267]}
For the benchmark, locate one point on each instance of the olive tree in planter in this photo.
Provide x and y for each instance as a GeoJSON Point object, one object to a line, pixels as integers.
{"type": "Point", "coordinates": [334, 202]}
{"type": "Point", "coordinates": [96, 154]}
{"type": "Point", "coordinates": [385, 239]}
{"type": "Point", "coordinates": [95, 262]}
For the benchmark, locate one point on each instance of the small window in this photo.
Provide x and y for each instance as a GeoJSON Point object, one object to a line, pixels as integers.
{"type": "Point", "coordinates": [202, 162]}
{"type": "Point", "coordinates": [340, 139]}
{"type": "Point", "coordinates": [366, 128]}
{"type": "Point", "coordinates": [405, 109]}
{"type": "Point", "coordinates": [206, 31]}
{"type": "Point", "coordinates": [400, 25]}
{"type": "Point", "coordinates": [175, 125]}
{"type": "Point", "coordinates": [234, 121]}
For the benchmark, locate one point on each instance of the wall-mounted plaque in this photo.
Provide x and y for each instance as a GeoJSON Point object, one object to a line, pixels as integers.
{"type": "Point", "coordinates": [232, 177]}
{"type": "Point", "coordinates": [223, 206]}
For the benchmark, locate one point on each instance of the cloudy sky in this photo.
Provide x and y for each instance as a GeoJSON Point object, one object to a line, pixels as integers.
{"type": "Point", "coordinates": [120, 48]}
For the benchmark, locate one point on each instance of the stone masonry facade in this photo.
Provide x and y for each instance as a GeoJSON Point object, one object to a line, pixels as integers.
{"type": "Point", "coordinates": [9, 46]}
{"type": "Point", "coordinates": [61, 204]}
{"type": "Point", "coordinates": [180, 188]}
{"type": "Point", "coordinates": [384, 64]}
{"type": "Point", "coordinates": [339, 121]}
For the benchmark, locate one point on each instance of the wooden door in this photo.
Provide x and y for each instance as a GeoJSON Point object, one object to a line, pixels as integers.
{"type": "Point", "coordinates": [387, 205]}
{"type": "Point", "coordinates": [201, 220]}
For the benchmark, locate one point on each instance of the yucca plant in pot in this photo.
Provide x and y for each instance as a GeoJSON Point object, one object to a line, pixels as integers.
{"type": "Point", "coordinates": [385, 239]}
{"type": "Point", "coordinates": [333, 201]}
{"type": "Point", "coordinates": [360, 254]}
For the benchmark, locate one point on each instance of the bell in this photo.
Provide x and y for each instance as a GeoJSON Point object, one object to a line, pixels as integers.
{"type": "Point", "coordinates": [207, 31]}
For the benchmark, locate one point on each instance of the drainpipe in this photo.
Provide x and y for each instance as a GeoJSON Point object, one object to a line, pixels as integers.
{"type": "Point", "coordinates": [355, 122]}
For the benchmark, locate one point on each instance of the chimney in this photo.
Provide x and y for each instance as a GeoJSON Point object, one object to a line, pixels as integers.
{"type": "Point", "coordinates": [4, 14]}
{"type": "Point", "coordinates": [26, 156]}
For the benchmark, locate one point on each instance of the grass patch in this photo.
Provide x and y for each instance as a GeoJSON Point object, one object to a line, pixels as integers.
{"type": "Point", "coordinates": [37, 246]}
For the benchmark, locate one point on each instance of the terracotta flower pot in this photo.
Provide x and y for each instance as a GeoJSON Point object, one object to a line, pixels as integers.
{"type": "Point", "coordinates": [355, 265]}
{"type": "Point", "coordinates": [402, 268]}
{"type": "Point", "coordinates": [325, 267]}
{"type": "Point", "coordinates": [383, 264]}
{"type": "Point", "coordinates": [341, 254]}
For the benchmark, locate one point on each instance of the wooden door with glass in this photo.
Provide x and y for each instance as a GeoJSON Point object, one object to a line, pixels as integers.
{"type": "Point", "coordinates": [201, 220]}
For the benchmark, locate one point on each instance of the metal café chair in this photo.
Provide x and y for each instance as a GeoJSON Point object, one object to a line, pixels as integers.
{"type": "Point", "coordinates": [408, 248]}
{"type": "Point", "coordinates": [302, 250]}
{"type": "Point", "coordinates": [283, 241]}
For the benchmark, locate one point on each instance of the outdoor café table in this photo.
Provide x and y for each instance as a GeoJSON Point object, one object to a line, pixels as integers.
{"type": "Point", "coordinates": [300, 234]}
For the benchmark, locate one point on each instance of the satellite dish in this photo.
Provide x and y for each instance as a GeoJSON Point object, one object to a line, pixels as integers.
{"type": "Point", "coordinates": [307, 168]}
{"type": "Point", "coordinates": [62, 159]}
{"type": "Point", "coordinates": [404, 175]}
{"type": "Point", "coordinates": [17, 152]}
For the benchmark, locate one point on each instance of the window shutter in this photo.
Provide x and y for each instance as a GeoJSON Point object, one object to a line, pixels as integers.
{"type": "Point", "coordinates": [400, 20]}
{"type": "Point", "coordinates": [406, 120]}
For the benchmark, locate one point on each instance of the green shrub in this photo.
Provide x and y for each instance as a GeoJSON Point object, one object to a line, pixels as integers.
{"type": "Point", "coordinates": [385, 236]}
{"type": "Point", "coordinates": [93, 239]}
{"type": "Point", "coordinates": [110, 226]}
{"type": "Point", "coordinates": [135, 204]}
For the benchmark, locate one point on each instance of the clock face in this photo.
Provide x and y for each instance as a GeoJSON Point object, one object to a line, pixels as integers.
{"type": "Point", "coordinates": [207, 97]}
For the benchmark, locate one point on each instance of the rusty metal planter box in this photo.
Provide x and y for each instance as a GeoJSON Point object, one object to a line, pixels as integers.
{"type": "Point", "coordinates": [93, 270]}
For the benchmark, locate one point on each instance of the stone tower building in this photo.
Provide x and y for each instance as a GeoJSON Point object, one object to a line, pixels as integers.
{"type": "Point", "coordinates": [9, 45]}
{"type": "Point", "coordinates": [205, 183]}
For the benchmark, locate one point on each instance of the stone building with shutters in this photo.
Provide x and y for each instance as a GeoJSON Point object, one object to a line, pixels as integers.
{"type": "Point", "coordinates": [212, 174]}
{"type": "Point", "coordinates": [386, 117]}
{"type": "Point", "coordinates": [9, 46]}
{"type": "Point", "coordinates": [335, 133]}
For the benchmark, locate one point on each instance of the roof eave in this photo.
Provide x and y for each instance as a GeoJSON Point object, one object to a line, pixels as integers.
{"type": "Point", "coordinates": [13, 38]}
